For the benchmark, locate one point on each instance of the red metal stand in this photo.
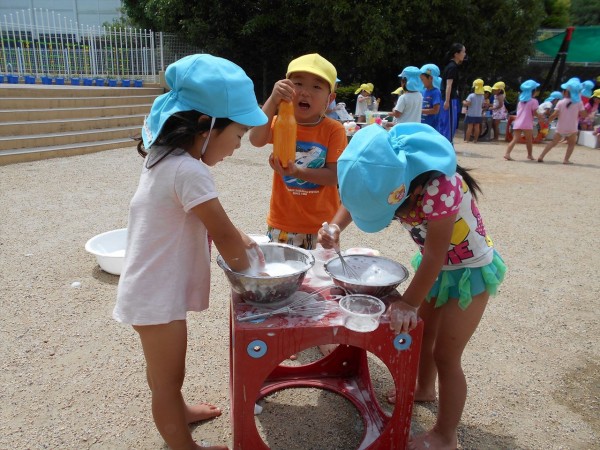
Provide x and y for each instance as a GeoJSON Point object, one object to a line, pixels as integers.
{"type": "Point", "coordinates": [258, 348]}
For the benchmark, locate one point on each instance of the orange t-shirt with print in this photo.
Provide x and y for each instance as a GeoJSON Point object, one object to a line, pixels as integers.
{"type": "Point", "coordinates": [299, 206]}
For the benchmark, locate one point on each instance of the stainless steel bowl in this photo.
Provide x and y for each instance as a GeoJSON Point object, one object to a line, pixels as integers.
{"type": "Point", "coordinates": [379, 276]}
{"type": "Point", "coordinates": [270, 289]}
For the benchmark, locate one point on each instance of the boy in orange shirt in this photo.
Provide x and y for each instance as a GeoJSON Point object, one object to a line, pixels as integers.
{"type": "Point", "coordinates": [304, 195]}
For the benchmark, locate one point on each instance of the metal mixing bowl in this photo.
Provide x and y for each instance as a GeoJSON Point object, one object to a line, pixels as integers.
{"type": "Point", "coordinates": [270, 289]}
{"type": "Point", "coordinates": [379, 276]}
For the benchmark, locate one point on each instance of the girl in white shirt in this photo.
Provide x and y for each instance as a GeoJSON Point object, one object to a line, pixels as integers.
{"type": "Point", "coordinates": [167, 265]}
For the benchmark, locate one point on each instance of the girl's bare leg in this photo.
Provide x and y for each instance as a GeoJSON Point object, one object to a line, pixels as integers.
{"type": "Point", "coordinates": [529, 143]}
{"type": "Point", "coordinates": [571, 141]}
{"type": "Point", "coordinates": [468, 132]}
{"type": "Point", "coordinates": [496, 126]}
{"type": "Point", "coordinates": [555, 139]}
{"type": "Point", "coordinates": [165, 349]}
{"type": "Point", "coordinates": [476, 131]}
{"type": "Point", "coordinates": [427, 375]}
{"type": "Point", "coordinates": [511, 145]}
{"type": "Point", "coordinates": [454, 331]}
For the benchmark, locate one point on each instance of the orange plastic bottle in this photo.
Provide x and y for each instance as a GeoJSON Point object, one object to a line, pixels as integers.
{"type": "Point", "coordinates": [284, 134]}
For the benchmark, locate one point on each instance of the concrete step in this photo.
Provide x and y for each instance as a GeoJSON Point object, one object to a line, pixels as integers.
{"type": "Point", "coordinates": [38, 121]}
{"type": "Point", "coordinates": [62, 126]}
{"type": "Point", "coordinates": [67, 138]}
{"type": "Point", "coordinates": [16, 103]}
{"type": "Point", "coordinates": [73, 113]}
{"type": "Point", "coordinates": [35, 154]}
{"type": "Point", "coordinates": [43, 91]}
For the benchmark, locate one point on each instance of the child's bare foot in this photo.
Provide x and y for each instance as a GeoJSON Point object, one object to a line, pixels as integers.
{"type": "Point", "coordinates": [425, 395]}
{"type": "Point", "coordinates": [540, 160]}
{"type": "Point", "coordinates": [201, 411]}
{"type": "Point", "coordinates": [420, 397]}
{"type": "Point", "coordinates": [567, 162]}
{"type": "Point", "coordinates": [213, 447]}
{"type": "Point", "coordinates": [508, 158]}
{"type": "Point", "coordinates": [432, 441]}
{"type": "Point", "coordinates": [530, 157]}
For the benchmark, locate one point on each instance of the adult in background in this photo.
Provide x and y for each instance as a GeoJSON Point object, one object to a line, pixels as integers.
{"type": "Point", "coordinates": [448, 120]}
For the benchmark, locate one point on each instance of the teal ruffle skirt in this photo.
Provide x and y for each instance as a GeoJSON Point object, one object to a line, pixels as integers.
{"type": "Point", "coordinates": [464, 284]}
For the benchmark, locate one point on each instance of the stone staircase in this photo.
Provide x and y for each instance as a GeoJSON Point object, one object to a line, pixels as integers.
{"type": "Point", "coordinates": [39, 121]}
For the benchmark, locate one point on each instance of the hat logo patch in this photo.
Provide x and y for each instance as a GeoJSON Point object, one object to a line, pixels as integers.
{"type": "Point", "coordinates": [397, 195]}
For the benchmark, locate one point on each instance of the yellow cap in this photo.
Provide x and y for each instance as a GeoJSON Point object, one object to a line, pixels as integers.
{"type": "Point", "coordinates": [478, 86]}
{"type": "Point", "coordinates": [398, 91]}
{"type": "Point", "coordinates": [487, 88]}
{"type": "Point", "coordinates": [499, 85]}
{"type": "Point", "coordinates": [315, 64]}
{"type": "Point", "coordinates": [364, 87]}
{"type": "Point", "coordinates": [596, 93]}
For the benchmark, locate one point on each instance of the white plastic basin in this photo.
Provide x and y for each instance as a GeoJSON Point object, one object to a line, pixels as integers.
{"type": "Point", "coordinates": [109, 249]}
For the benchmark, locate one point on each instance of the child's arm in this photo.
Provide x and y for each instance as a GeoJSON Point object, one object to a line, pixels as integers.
{"type": "Point", "coordinates": [553, 116]}
{"type": "Point", "coordinates": [339, 223]}
{"type": "Point", "coordinates": [432, 111]}
{"type": "Point", "coordinates": [231, 243]}
{"type": "Point", "coordinates": [283, 90]}
{"type": "Point", "coordinates": [324, 176]}
{"type": "Point", "coordinates": [437, 242]}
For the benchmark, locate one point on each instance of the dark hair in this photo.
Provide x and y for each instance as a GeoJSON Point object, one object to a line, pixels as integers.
{"type": "Point", "coordinates": [179, 131]}
{"type": "Point", "coordinates": [454, 49]}
{"type": "Point", "coordinates": [423, 179]}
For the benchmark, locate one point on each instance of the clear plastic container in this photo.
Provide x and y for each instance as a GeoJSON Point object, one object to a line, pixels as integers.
{"type": "Point", "coordinates": [361, 312]}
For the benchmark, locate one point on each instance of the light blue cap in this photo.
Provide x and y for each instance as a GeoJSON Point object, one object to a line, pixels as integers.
{"type": "Point", "coordinates": [376, 169]}
{"type": "Point", "coordinates": [413, 81]}
{"type": "Point", "coordinates": [587, 89]}
{"type": "Point", "coordinates": [527, 88]}
{"type": "Point", "coordinates": [574, 87]}
{"type": "Point", "coordinates": [554, 96]}
{"type": "Point", "coordinates": [207, 84]}
{"type": "Point", "coordinates": [434, 72]}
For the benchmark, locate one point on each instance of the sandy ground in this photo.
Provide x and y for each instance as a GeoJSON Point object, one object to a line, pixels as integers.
{"type": "Point", "coordinates": [72, 378]}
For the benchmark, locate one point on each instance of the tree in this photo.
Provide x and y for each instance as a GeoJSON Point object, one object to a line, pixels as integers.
{"type": "Point", "coordinates": [585, 12]}
{"type": "Point", "coordinates": [557, 14]}
{"type": "Point", "coordinates": [367, 40]}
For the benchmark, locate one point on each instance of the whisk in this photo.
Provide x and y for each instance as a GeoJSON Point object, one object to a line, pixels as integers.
{"type": "Point", "coordinates": [306, 305]}
{"type": "Point", "coordinates": [347, 269]}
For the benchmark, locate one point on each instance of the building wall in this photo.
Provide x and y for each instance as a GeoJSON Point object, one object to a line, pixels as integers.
{"type": "Point", "coordinates": [82, 12]}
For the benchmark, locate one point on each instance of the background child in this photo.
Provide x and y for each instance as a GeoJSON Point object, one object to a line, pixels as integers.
{"type": "Point", "coordinates": [547, 106]}
{"type": "Point", "coordinates": [523, 124]}
{"type": "Point", "coordinates": [410, 104]}
{"type": "Point", "coordinates": [487, 100]}
{"type": "Point", "coordinates": [167, 269]}
{"type": "Point", "coordinates": [363, 101]}
{"type": "Point", "coordinates": [420, 185]}
{"type": "Point", "coordinates": [568, 110]}
{"type": "Point", "coordinates": [474, 104]}
{"type": "Point", "coordinates": [499, 112]}
{"type": "Point", "coordinates": [331, 111]}
{"type": "Point", "coordinates": [304, 195]}
{"type": "Point", "coordinates": [432, 96]}
{"type": "Point", "coordinates": [591, 109]}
